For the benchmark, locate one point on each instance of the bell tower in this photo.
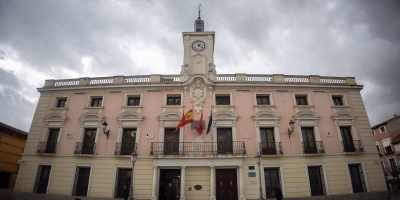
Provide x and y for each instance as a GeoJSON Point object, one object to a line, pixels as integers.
{"type": "Point", "coordinates": [198, 56]}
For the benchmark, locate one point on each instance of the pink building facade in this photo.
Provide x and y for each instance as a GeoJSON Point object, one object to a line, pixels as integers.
{"type": "Point", "coordinates": [329, 151]}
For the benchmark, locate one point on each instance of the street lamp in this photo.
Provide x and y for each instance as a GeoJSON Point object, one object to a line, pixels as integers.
{"type": "Point", "coordinates": [291, 123]}
{"type": "Point", "coordinates": [133, 159]}
{"type": "Point", "coordinates": [258, 161]}
{"type": "Point", "coordinates": [104, 128]}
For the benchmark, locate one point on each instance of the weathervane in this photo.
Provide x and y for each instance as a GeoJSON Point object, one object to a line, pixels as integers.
{"type": "Point", "coordinates": [199, 8]}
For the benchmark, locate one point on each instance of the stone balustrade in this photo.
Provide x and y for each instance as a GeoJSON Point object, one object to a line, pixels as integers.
{"type": "Point", "coordinates": [221, 78]}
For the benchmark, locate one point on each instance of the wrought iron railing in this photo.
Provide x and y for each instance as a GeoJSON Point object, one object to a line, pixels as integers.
{"type": "Point", "coordinates": [310, 147]}
{"type": "Point", "coordinates": [85, 148]}
{"type": "Point", "coordinates": [198, 148]}
{"type": "Point", "coordinates": [123, 148]}
{"type": "Point", "coordinates": [47, 147]}
{"type": "Point", "coordinates": [389, 151]}
{"type": "Point", "coordinates": [270, 148]}
{"type": "Point", "coordinates": [352, 146]}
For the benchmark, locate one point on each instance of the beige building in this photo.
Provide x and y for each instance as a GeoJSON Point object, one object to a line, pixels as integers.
{"type": "Point", "coordinates": [387, 141]}
{"type": "Point", "coordinates": [329, 151]}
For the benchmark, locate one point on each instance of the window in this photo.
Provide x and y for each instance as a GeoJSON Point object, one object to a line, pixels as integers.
{"type": "Point", "coordinates": [174, 100]}
{"type": "Point", "coordinates": [133, 101]}
{"type": "Point", "coordinates": [267, 141]}
{"type": "Point", "coordinates": [224, 141]}
{"type": "Point", "coordinates": [373, 132]}
{"type": "Point", "coordinates": [42, 179]}
{"type": "Point", "coordinates": [317, 183]}
{"type": "Point", "coordinates": [96, 102]}
{"type": "Point", "coordinates": [309, 143]}
{"type": "Point", "coordinates": [393, 166]}
{"type": "Point", "coordinates": [337, 101]}
{"type": "Point", "coordinates": [61, 103]}
{"type": "Point", "coordinates": [382, 129]}
{"type": "Point", "coordinates": [357, 178]}
{"type": "Point", "coordinates": [5, 178]}
{"type": "Point", "coordinates": [262, 100]}
{"type": "Point", "coordinates": [379, 149]}
{"type": "Point", "coordinates": [223, 100]}
{"type": "Point", "coordinates": [51, 144]}
{"type": "Point", "coordinates": [387, 146]}
{"type": "Point", "coordinates": [301, 100]}
{"type": "Point", "coordinates": [171, 142]}
{"type": "Point", "coordinates": [123, 178]}
{"type": "Point", "coordinates": [81, 181]}
{"type": "Point", "coordinates": [88, 145]}
{"type": "Point", "coordinates": [272, 180]}
{"type": "Point", "coordinates": [128, 141]}
{"type": "Point", "coordinates": [347, 139]}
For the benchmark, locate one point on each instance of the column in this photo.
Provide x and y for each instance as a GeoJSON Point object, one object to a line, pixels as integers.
{"type": "Point", "coordinates": [183, 184]}
{"type": "Point", "coordinates": [212, 183]}
{"type": "Point", "coordinates": [153, 195]}
{"type": "Point", "coordinates": [241, 184]}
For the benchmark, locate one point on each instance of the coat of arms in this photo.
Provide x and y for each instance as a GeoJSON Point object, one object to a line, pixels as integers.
{"type": "Point", "coordinates": [198, 94]}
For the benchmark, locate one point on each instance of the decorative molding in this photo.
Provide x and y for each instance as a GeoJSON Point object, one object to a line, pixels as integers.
{"type": "Point", "coordinates": [344, 112]}
{"type": "Point", "coordinates": [165, 115]}
{"type": "Point", "coordinates": [257, 115]}
{"type": "Point", "coordinates": [49, 116]}
{"type": "Point", "coordinates": [299, 114]}
{"type": "Point", "coordinates": [198, 91]}
{"type": "Point", "coordinates": [86, 114]}
{"type": "Point", "coordinates": [232, 114]}
{"type": "Point", "coordinates": [122, 115]}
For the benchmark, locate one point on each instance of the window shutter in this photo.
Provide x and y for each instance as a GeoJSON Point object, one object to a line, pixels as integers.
{"type": "Point", "coordinates": [321, 171]}
{"type": "Point", "coordinates": [75, 181]}
{"type": "Point", "coordinates": [362, 177]}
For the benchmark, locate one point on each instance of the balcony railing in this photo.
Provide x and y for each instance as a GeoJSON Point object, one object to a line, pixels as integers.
{"type": "Point", "coordinates": [389, 151]}
{"type": "Point", "coordinates": [47, 147]}
{"type": "Point", "coordinates": [123, 148]}
{"type": "Point", "coordinates": [85, 148]}
{"type": "Point", "coordinates": [352, 146]}
{"type": "Point", "coordinates": [198, 148]}
{"type": "Point", "coordinates": [270, 148]}
{"type": "Point", "coordinates": [313, 147]}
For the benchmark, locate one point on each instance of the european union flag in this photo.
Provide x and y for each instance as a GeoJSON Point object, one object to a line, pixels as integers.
{"type": "Point", "coordinates": [209, 123]}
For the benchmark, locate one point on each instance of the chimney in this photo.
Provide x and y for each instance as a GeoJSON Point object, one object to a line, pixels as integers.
{"type": "Point", "coordinates": [394, 115]}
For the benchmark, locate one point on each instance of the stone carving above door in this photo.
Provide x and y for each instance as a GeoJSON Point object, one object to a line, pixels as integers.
{"type": "Point", "coordinates": [198, 94]}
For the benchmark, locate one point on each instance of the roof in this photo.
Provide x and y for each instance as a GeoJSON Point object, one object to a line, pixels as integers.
{"type": "Point", "coordinates": [396, 140]}
{"type": "Point", "coordinates": [9, 130]}
{"type": "Point", "coordinates": [385, 122]}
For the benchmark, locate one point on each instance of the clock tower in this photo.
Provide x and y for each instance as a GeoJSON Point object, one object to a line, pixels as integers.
{"type": "Point", "coordinates": [198, 56]}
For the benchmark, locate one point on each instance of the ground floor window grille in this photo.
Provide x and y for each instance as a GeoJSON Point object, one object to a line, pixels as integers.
{"type": "Point", "coordinates": [81, 181]}
{"type": "Point", "coordinates": [317, 182]}
{"type": "Point", "coordinates": [123, 178]}
{"type": "Point", "coordinates": [357, 178]}
{"type": "Point", "coordinates": [42, 179]}
{"type": "Point", "coordinates": [272, 180]}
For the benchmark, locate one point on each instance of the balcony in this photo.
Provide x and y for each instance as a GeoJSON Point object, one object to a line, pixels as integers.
{"type": "Point", "coordinates": [313, 147]}
{"type": "Point", "coordinates": [270, 148]}
{"type": "Point", "coordinates": [85, 148]}
{"type": "Point", "coordinates": [352, 146]}
{"type": "Point", "coordinates": [47, 147]}
{"type": "Point", "coordinates": [198, 148]}
{"type": "Point", "coordinates": [122, 148]}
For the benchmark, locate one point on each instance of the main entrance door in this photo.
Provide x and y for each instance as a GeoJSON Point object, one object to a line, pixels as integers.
{"type": "Point", "coordinates": [170, 176]}
{"type": "Point", "coordinates": [226, 182]}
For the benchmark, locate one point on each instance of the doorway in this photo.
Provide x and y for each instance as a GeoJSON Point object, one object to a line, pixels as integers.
{"type": "Point", "coordinates": [226, 182]}
{"type": "Point", "coordinates": [172, 176]}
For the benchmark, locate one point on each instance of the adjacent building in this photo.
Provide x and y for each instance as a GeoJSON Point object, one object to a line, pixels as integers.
{"type": "Point", "coordinates": [387, 141]}
{"type": "Point", "coordinates": [329, 150]}
{"type": "Point", "coordinates": [12, 143]}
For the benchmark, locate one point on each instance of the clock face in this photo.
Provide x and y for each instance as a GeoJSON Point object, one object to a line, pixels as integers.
{"type": "Point", "coordinates": [198, 45]}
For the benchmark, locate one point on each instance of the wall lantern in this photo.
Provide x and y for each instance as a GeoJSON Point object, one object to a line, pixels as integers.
{"type": "Point", "coordinates": [291, 123]}
{"type": "Point", "coordinates": [104, 129]}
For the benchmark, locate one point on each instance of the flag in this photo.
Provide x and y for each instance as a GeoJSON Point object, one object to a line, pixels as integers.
{"type": "Point", "coordinates": [186, 119]}
{"type": "Point", "coordinates": [199, 129]}
{"type": "Point", "coordinates": [209, 123]}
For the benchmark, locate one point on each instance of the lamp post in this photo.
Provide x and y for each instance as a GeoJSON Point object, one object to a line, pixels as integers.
{"type": "Point", "coordinates": [133, 159]}
{"type": "Point", "coordinates": [291, 123]}
{"type": "Point", "coordinates": [106, 132]}
{"type": "Point", "coordinates": [258, 161]}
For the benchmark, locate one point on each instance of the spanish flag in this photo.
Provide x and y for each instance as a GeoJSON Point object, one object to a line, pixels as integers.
{"type": "Point", "coordinates": [186, 119]}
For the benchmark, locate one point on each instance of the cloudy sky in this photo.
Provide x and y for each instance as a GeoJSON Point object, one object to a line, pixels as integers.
{"type": "Point", "coordinates": [69, 39]}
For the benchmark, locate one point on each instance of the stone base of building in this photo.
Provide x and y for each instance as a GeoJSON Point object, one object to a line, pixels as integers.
{"type": "Point", "coordinates": [382, 195]}
{"type": "Point", "coordinates": [5, 194]}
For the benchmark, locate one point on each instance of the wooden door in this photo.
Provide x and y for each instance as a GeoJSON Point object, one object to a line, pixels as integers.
{"type": "Point", "coordinates": [226, 183]}
{"type": "Point", "coordinates": [224, 141]}
{"type": "Point", "coordinates": [52, 141]}
{"type": "Point", "coordinates": [89, 141]}
{"type": "Point", "coordinates": [267, 141]}
{"type": "Point", "coordinates": [347, 139]}
{"type": "Point", "coordinates": [316, 184]}
{"type": "Point", "coordinates": [128, 141]}
{"type": "Point", "coordinates": [309, 140]}
{"type": "Point", "coordinates": [171, 142]}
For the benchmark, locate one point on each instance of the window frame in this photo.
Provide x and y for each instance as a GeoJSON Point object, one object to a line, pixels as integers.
{"type": "Point", "coordinates": [94, 96]}
{"type": "Point", "coordinates": [302, 95]}
{"type": "Point", "coordinates": [395, 163]}
{"type": "Point", "coordinates": [173, 95]}
{"type": "Point", "coordinates": [349, 176]}
{"type": "Point", "coordinates": [263, 95]}
{"type": "Point", "coordinates": [335, 100]}
{"type": "Point", "coordinates": [325, 183]}
{"type": "Point", "coordinates": [281, 176]}
{"type": "Point", "coordinates": [35, 174]}
{"type": "Point", "coordinates": [73, 179]}
{"type": "Point", "coordinates": [380, 129]}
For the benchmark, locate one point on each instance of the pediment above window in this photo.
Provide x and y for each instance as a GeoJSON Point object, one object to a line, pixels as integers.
{"type": "Point", "coordinates": [265, 114]}
{"type": "Point", "coordinates": [55, 117]}
{"type": "Point", "coordinates": [130, 115]}
{"type": "Point", "coordinates": [306, 114]}
{"type": "Point", "coordinates": [225, 114]}
{"type": "Point", "coordinates": [91, 116]}
{"type": "Point", "coordinates": [170, 115]}
{"type": "Point", "coordinates": [344, 114]}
